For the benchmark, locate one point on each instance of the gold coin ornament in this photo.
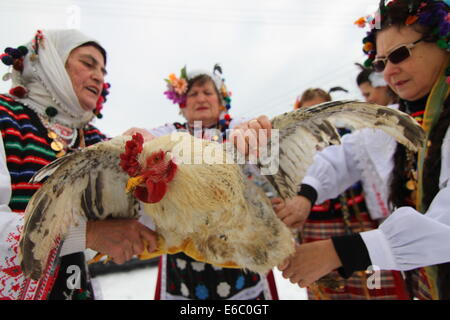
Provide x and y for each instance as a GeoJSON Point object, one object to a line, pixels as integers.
{"type": "Point", "coordinates": [57, 146]}
{"type": "Point", "coordinates": [411, 185]}
{"type": "Point", "coordinates": [60, 154]}
{"type": "Point", "coordinates": [52, 135]}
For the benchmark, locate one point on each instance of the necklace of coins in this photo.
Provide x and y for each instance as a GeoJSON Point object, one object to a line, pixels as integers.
{"type": "Point", "coordinates": [63, 138]}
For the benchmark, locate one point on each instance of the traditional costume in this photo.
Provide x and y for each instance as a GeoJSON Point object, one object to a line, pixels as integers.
{"type": "Point", "coordinates": [416, 234]}
{"type": "Point", "coordinates": [348, 214]}
{"type": "Point", "coordinates": [40, 120]}
{"type": "Point", "coordinates": [179, 276]}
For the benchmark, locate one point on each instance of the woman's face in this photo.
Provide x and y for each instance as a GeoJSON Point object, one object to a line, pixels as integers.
{"type": "Point", "coordinates": [202, 104]}
{"type": "Point", "coordinates": [378, 95]}
{"type": "Point", "coordinates": [86, 69]}
{"type": "Point", "coordinates": [414, 77]}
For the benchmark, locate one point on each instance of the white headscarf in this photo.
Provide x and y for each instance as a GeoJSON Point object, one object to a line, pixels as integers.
{"type": "Point", "coordinates": [377, 80]}
{"type": "Point", "coordinates": [47, 80]}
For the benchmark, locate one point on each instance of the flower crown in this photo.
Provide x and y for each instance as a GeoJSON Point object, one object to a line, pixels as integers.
{"type": "Point", "coordinates": [15, 58]}
{"type": "Point", "coordinates": [177, 90]}
{"type": "Point", "coordinates": [429, 13]}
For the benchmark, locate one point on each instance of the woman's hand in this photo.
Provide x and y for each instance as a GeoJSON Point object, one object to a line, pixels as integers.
{"type": "Point", "coordinates": [293, 212]}
{"type": "Point", "coordinates": [120, 239]}
{"type": "Point", "coordinates": [310, 262]}
{"type": "Point", "coordinates": [249, 136]}
{"type": "Point", "coordinates": [145, 134]}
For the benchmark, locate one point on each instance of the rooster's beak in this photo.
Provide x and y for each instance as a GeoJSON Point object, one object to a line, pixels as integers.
{"type": "Point", "coordinates": [133, 183]}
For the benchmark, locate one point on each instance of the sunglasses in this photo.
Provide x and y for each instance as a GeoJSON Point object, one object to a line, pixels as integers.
{"type": "Point", "coordinates": [396, 56]}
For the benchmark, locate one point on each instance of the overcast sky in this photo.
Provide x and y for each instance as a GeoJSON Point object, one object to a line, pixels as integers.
{"type": "Point", "coordinates": [270, 50]}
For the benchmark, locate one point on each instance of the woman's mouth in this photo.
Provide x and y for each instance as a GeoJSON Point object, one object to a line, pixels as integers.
{"type": "Point", "coordinates": [93, 90]}
{"type": "Point", "coordinates": [399, 84]}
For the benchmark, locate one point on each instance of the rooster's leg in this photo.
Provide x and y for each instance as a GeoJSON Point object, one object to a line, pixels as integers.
{"type": "Point", "coordinates": [99, 257]}
{"type": "Point", "coordinates": [188, 247]}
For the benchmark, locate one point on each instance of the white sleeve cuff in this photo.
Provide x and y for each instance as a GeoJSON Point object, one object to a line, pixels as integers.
{"type": "Point", "coordinates": [75, 240]}
{"type": "Point", "coordinates": [379, 249]}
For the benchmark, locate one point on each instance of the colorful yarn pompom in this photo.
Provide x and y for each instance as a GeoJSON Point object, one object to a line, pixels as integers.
{"type": "Point", "coordinates": [7, 59]}
{"type": "Point", "coordinates": [411, 20]}
{"type": "Point", "coordinates": [23, 50]}
{"type": "Point", "coordinates": [19, 91]}
{"type": "Point", "coordinates": [361, 22]}
{"type": "Point", "coordinates": [51, 111]}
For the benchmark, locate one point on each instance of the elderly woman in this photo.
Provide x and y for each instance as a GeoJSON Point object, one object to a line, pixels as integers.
{"type": "Point", "coordinates": [204, 102]}
{"type": "Point", "coordinates": [410, 45]}
{"type": "Point", "coordinates": [58, 87]}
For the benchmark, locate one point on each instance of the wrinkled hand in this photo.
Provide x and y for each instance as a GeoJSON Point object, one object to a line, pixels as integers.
{"type": "Point", "coordinates": [145, 134]}
{"type": "Point", "coordinates": [249, 136]}
{"type": "Point", "coordinates": [310, 262]}
{"type": "Point", "coordinates": [120, 239]}
{"type": "Point", "coordinates": [293, 212]}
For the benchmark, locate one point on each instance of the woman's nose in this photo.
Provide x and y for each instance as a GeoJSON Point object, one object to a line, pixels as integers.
{"type": "Point", "coordinates": [201, 97]}
{"type": "Point", "coordinates": [390, 70]}
{"type": "Point", "coordinates": [98, 75]}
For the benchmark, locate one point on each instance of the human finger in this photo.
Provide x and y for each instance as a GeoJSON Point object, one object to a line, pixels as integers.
{"type": "Point", "coordinates": [150, 237]}
{"type": "Point", "coordinates": [302, 283]}
{"type": "Point", "coordinates": [292, 219]}
{"type": "Point", "coordinates": [281, 213]}
{"type": "Point", "coordinates": [276, 200]}
{"type": "Point", "coordinates": [265, 123]}
{"type": "Point", "coordinates": [254, 124]}
{"type": "Point", "coordinates": [138, 247]}
{"type": "Point", "coordinates": [251, 140]}
{"type": "Point", "coordinates": [237, 138]}
{"type": "Point", "coordinates": [283, 265]}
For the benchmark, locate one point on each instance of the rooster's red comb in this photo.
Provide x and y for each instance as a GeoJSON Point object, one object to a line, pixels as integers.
{"type": "Point", "coordinates": [128, 159]}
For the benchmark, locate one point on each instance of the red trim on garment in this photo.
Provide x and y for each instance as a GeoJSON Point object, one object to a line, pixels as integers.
{"type": "Point", "coordinates": [272, 285]}
{"type": "Point", "coordinates": [158, 281]}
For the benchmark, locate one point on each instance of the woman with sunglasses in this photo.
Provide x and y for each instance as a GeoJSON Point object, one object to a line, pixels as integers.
{"type": "Point", "coordinates": [409, 43]}
{"type": "Point", "coordinates": [346, 214]}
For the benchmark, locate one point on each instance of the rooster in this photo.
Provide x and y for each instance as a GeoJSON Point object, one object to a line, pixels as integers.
{"type": "Point", "coordinates": [210, 211]}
